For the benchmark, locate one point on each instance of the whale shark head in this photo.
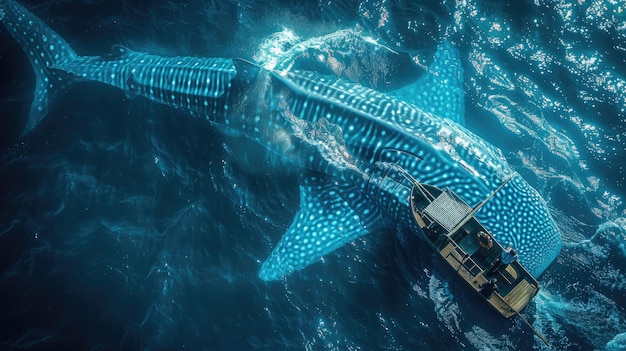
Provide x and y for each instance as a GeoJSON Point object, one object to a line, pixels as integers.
{"type": "Point", "coordinates": [519, 216]}
{"type": "Point", "coordinates": [473, 168]}
{"type": "Point", "coordinates": [452, 156]}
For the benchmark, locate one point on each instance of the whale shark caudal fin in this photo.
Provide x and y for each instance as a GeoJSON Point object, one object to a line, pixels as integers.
{"type": "Point", "coordinates": [44, 49]}
{"type": "Point", "coordinates": [330, 216]}
{"type": "Point", "coordinates": [440, 89]}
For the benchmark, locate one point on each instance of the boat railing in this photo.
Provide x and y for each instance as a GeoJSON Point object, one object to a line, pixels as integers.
{"type": "Point", "coordinates": [423, 218]}
{"type": "Point", "coordinates": [466, 260]}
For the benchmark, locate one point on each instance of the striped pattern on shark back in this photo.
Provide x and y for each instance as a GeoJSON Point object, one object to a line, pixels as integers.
{"type": "Point", "coordinates": [360, 100]}
{"type": "Point", "coordinates": [398, 124]}
{"type": "Point", "coordinates": [349, 106]}
{"type": "Point", "coordinates": [373, 122]}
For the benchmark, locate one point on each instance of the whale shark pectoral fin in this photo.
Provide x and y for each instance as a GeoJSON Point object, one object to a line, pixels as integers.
{"type": "Point", "coordinates": [325, 222]}
{"type": "Point", "coordinates": [440, 89]}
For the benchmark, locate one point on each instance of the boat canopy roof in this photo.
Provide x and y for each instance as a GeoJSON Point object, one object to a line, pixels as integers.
{"type": "Point", "coordinates": [447, 209]}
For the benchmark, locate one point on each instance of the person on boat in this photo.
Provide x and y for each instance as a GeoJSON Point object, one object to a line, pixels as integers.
{"type": "Point", "coordinates": [489, 288]}
{"type": "Point", "coordinates": [507, 256]}
{"type": "Point", "coordinates": [484, 240]}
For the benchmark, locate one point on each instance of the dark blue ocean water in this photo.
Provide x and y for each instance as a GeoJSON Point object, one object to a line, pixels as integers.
{"type": "Point", "coordinates": [126, 225]}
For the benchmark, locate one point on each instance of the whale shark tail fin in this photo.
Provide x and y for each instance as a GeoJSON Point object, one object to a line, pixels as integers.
{"type": "Point", "coordinates": [44, 49]}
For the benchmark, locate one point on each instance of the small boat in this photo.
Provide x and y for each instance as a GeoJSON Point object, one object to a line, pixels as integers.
{"type": "Point", "coordinates": [449, 225]}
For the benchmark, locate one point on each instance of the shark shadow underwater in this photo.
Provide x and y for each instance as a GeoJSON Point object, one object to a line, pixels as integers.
{"type": "Point", "coordinates": [337, 132]}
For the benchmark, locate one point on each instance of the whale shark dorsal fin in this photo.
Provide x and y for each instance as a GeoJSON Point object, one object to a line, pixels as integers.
{"type": "Point", "coordinates": [330, 216]}
{"type": "Point", "coordinates": [117, 52]}
{"type": "Point", "coordinates": [246, 70]}
{"type": "Point", "coordinates": [440, 89]}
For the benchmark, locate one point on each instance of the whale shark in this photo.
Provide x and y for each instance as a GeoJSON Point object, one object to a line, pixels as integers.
{"type": "Point", "coordinates": [339, 133]}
